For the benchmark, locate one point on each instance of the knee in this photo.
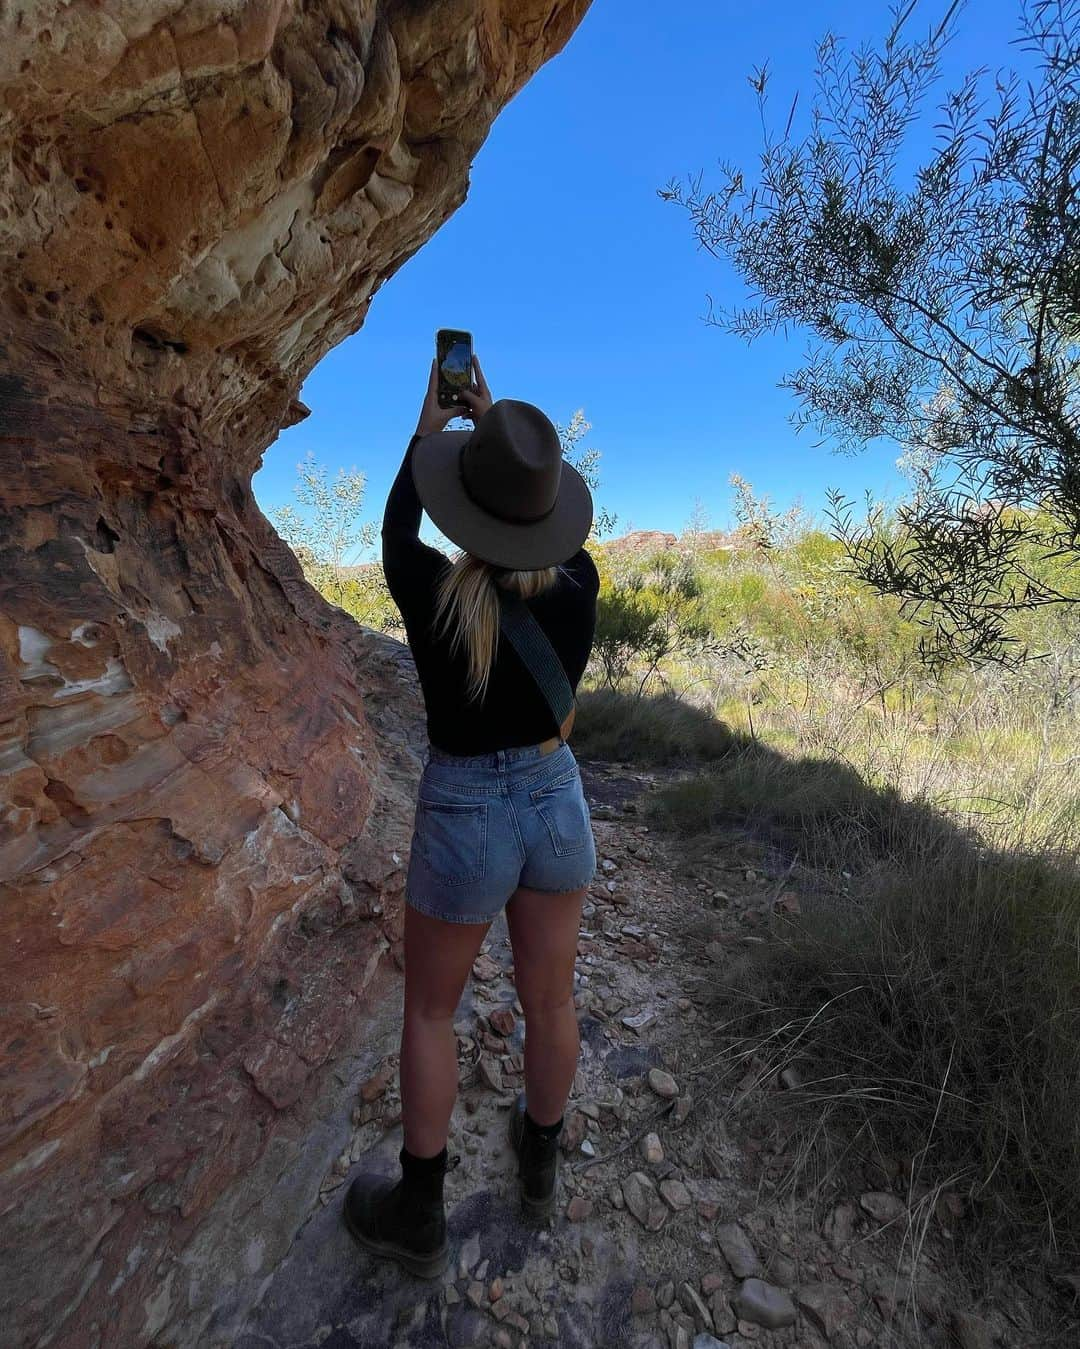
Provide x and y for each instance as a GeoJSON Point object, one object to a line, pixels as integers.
{"type": "Point", "coordinates": [548, 1007]}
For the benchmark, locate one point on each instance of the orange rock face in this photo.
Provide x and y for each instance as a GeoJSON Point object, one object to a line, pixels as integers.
{"type": "Point", "coordinates": [205, 772]}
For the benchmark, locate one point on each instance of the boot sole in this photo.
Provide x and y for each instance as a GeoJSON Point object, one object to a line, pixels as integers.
{"type": "Point", "coordinates": [425, 1266]}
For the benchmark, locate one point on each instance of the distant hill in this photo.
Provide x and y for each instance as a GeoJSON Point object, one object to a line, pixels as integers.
{"type": "Point", "coordinates": [640, 542]}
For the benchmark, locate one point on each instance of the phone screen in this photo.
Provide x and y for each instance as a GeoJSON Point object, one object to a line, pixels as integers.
{"type": "Point", "coordinates": [453, 350]}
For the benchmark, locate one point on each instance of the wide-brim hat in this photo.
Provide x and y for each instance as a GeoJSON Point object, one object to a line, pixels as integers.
{"type": "Point", "coordinates": [503, 491]}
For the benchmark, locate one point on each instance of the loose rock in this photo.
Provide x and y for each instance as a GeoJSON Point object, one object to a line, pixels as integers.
{"type": "Point", "coordinates": [764, 1304]}
{"type": "Point", "coordinates": [662, 1083]}
{"type": "Point", "coordinates": [738, 1251]}
{"type": "Point", "coordinates": [882, 1206]}
{"type": "Point", "coordinates": [825, 1305]}
{"type": "Point", "coordinates": [652, 1149]}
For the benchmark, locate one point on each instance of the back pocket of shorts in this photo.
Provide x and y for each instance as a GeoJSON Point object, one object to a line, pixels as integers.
{"type": "Point", "coordinates": [452, 840]}
{"type": "Point", "coordinates": [561, 805]}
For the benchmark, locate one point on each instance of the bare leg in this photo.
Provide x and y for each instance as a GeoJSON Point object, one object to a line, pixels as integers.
{"type": "Point", "coordinates": [544, 935]}
{"type": "Point", "coordinates": [438, 959]}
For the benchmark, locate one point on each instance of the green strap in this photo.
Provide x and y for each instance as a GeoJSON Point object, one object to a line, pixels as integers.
{"type": "Point", "coordinates": [539, 657]}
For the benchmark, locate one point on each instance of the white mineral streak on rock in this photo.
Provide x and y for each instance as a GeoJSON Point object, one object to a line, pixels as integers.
{"type": "Point", "coordinates": [161, 630]}
{"type": "Point", "coordinates": [32, 648]}
{"type": "Point", "coordinates": [114, 680]}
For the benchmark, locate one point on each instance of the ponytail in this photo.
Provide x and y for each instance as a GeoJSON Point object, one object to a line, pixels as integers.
{"type": "Point", "coordinates": [467, 610]}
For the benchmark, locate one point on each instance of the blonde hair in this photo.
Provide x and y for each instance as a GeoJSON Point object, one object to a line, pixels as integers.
{"type": "Point", "coordinates": [467, 610]}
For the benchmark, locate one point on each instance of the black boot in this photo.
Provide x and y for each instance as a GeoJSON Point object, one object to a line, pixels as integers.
{"type": "Point", "coordinates": [537, 1149]}
{"type": "Point", "coordinates": [405, 1220]}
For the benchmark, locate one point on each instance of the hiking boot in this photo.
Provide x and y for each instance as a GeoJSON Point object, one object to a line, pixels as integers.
{"type": "Point", "coordinates": [405, 1220]}
{"type": "Point", "coordinates": [537, 1151]}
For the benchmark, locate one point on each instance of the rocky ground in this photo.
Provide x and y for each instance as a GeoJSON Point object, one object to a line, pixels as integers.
{"type": "Point", "coordinates": [674, 1226]}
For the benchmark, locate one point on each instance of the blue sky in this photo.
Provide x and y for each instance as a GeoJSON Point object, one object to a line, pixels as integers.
{"type": "Point", "coordinates": [584, 290]}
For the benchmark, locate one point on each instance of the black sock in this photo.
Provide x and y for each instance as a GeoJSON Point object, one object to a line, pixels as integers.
{"type": "Point", "coordinates": [422, 1166]}
{"type": "Point", "coordinates": [545, 1131]}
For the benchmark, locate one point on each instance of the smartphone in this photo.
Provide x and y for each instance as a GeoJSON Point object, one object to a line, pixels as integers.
{"type": "Point", "coordinates": [454, 356]}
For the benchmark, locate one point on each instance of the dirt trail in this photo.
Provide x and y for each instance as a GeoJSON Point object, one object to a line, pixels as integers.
{"type": "Point", "coordinates": [670, 1231]}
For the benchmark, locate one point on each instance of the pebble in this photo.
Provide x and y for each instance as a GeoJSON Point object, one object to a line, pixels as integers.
{"type": "Point", "coordinates": [475, 1294]}
{"type": "Point", "coordinates": [587, 1147]}
{"type": "Point", "coordinates": [652, 1149]}
{"type": "Point", "coordinates": [665, 1293]}
{"type": "Point", "coordinates": [579, 1209]}
{"type": "Point", "coordinates": [608, 865]}
{"type": "Point", "coordinates": [882, 1206]}
{"type": "Point", "coordinates": [693, 1305]}
{"type": "Point", "coordinates": [738, 1251]}
{"type": "Point", "coordinates": [503, 1339]}
{"type": "Point", "coordinates": [643, 1201]}
{"type": "Point", "coordinates": [764, 1304]}
{"type": "Point", "coordinates": [711, 1281]}
{"type": "Point", "coordinates": [639, 1021]}
{"type": "Point", "coordinates": [676, 1194]}
{"type": "Point", "coordinates": [489, 1071]}
{"type": "Point", "coordinates": [502, 1021]}
{"type": "Point", "coordinates": [706, 1341]}
{"type": "Point", "coordinates": [495, 1289]}
{"type": "Point", "coordinates": [825, 1305]}
{"type": "Point", "coordinates": [485, 968]}
{"type": "Point", "coordinates": [724, 1318]}
{"type": "Point", "coordinates": [663, 1083]}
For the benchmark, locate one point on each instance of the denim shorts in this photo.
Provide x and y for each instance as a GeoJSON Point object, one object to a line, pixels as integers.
{"type": "Point", "coordinates": [487, 823]}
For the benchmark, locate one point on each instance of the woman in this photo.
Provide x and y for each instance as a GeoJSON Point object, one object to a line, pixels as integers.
{"type": "Point", "coordinates": [501, 818]}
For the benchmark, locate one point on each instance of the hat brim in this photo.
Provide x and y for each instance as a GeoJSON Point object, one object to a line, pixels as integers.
{"type": "Point", "coordinates": [543, 543]}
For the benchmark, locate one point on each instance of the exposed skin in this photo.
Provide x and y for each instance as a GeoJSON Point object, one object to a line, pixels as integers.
{"type": "Point", "coordinates": [439, 956]}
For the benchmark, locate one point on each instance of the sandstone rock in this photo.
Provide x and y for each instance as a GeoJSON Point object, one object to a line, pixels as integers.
{"type": "Point", "coordinates": [676, 1194]}
{"type": "Point", "coordinates": [642, 1200]}
{"type": "Point", "coordinates": [723, 1314]}
{"type": "Point", "coordinates": [826, 1306]}
{"type": "Point", "coordinates": [840, 1226]}
{"type": "Point", "coordinates": [764, 1304]}
{"type": "Point", "coordinates": [652, 1149]}
{"type": "Point", "coordinates": [486, 969]}
{"type": "Point", "coordinates": [738, 1250]}
{"type": "Point", "coordinates": [205, 771]}
{"type": "Point", "coordinates": [490, 1072]}
{"type": "Point", "coordinates": [882, 1206]}
{"type": "Point", "coordinates": [579, 1209]}
{"type": "Point", "coordinates": [376, 1085]}
{"type": "Point", "coordinates": [692, 1303]}
{"type": "Point", "coordinates": [662, 1083]}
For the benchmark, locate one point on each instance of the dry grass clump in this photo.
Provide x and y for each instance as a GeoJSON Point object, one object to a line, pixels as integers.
{"type": "Point", "coordinates": [651, 731]}
{"type": "Point", "coordinates": [932, 1011]}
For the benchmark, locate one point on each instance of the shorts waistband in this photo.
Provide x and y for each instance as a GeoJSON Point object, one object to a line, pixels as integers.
{"type": "Point", "coordinates": [499, 759]}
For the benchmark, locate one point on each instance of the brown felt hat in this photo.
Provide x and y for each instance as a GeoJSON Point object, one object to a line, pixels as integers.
{"type": "Point", "coordinates": [503, 491]}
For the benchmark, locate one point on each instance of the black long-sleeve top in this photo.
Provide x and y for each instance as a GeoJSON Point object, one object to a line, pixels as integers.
{"type": "Point", "coordinates": [512, 711]}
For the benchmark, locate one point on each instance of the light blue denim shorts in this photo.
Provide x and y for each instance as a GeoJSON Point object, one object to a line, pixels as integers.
{"type": "Point", "coordinates": [487, 823]}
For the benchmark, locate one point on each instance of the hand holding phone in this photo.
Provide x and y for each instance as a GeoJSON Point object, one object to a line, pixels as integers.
{"type": "Point", "coordinates": [475, 401]}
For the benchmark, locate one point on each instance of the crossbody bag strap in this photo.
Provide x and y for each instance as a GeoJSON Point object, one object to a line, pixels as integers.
{"type": "Point", "coordinates": [539, 657]}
